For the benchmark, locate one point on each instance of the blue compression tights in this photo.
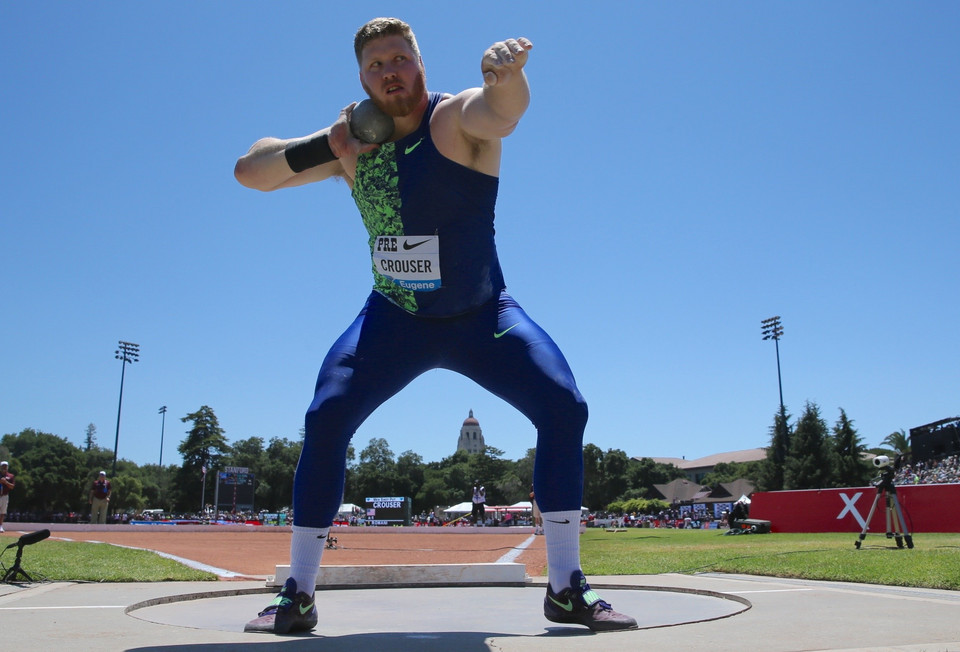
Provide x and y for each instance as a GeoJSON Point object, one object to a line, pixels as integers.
{"type": "Point", "coordinates": [385, 348]}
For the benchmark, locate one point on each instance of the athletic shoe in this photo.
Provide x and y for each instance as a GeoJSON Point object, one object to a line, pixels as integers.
{"type": "Point", "coordinates": [580, 605]}
{"type": "Point", "coordinates": [289, 612]}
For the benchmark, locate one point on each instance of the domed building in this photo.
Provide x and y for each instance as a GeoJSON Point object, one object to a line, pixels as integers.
{"type": "Point", "coordinates": [471, 436]}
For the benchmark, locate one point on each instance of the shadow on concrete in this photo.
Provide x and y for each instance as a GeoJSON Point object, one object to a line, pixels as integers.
{"type": "Point", "coordinates": [379, 641]}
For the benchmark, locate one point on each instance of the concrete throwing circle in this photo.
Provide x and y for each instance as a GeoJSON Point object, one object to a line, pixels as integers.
{"type": "Point", "coordinates": [425, 612]}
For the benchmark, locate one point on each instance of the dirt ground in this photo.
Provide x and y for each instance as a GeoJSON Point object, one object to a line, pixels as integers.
{"type": "Point", "coordinates": [257, 552]}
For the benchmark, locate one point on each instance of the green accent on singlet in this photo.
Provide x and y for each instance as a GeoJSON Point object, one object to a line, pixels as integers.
{"type": "Point", "coordinates": [375, 190]}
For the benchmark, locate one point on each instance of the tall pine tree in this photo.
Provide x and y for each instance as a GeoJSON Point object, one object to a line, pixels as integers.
{"type": "Point", "coordinates": [812, 461]}
{"type": "Point", "coordinates": [852, 469]}
{"type": "Point", "coordinates": [771, 474]}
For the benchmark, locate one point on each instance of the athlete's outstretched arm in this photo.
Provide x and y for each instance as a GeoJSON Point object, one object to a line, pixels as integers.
{"type": "Point", "coordinates": [265, 167]}
{"type": "Point", "coordinates": [493, 111]}
{"type": "Point", "coordinates": [274, 163]}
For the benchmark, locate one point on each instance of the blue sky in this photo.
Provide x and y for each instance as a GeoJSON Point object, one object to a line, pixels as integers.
{"type": "Point", "coordinates": [684, 171]}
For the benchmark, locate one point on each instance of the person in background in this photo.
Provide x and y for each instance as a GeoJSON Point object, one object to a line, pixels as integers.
{"type": "Point", "coordinates": [537, 516]}
{"type": "Point", "coordinates": [100, 499]}
{"type": "Point", "coordinates": [6, 484]}
{"type": "Point", "coordinates": [479, 503]}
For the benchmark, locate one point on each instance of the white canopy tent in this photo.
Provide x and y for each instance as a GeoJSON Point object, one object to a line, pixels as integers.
{"type": "Point", "coordinates": [459, 508]}
{"type": "Point", "coordinates": [349, 509]}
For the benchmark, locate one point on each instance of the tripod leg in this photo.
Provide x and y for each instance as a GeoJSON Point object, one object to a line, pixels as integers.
{"type": "Point", "coordinates": [893, 528]}
{"type": "Point", "coordinates": [866, 524]}
{"type": "Point", "coordinates": [903, 524]}
{"type": "Point", "coordinates": [16, 570]}
{"type": "Point", "coordinates": [13, 572]}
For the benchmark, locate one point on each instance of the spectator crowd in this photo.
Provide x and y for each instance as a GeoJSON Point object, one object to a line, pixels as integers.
{"type": "Point", "coordinates": [942, 471]}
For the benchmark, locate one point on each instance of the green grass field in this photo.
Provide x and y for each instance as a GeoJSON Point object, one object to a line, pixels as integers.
{"type": "Point", "coordinates": [96, 562]}
{"type": "Point", "coordinates": [934, 562]}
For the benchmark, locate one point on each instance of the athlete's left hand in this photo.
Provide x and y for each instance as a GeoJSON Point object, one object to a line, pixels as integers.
{"type": "Point", "coordinates": [504, 59]}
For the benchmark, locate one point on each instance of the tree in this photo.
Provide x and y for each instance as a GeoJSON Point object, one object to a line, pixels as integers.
{"type": "Point", "coordinates": [898, 441]}
{"type": "Point", "coordinates": [276, 472]}
{"type": "Point", "coordinates": [127, 494]}
{"type": "Point", "coordinates": [615, 480]}
{"type": "Point", "coordinates": [90, 439]}
{"type": "Point", "coordinates": [852, 469]}
{"type": "Point", "coordinates": [50, 472]}
{"type": "Point", "coordinates": [202, 450]}
{"type": "Point", "coordinates": [155, 482]}
{"type": "Point", "coordinates": [730, 471]}
{"type": "Point", "coordinates": [435, 490]}
{"type": "Point", "coordinates": [376, 473]}
{"type": "Point", "coordinates": [272, 467]}
{"type": "Point", "coordinates": [490, 469]}
{"type": "Point", "coordinates": [644, 473]}
{"type": "Point", "coordinates": [246, 452]}
{"type": "Point", "coordinates": [593, 493]}
{"type": "Point", "coordinates": [811, 462]}
{"type": "Point", "coordinates": [446, 482]}
{"type": "Point", "coordinates": [205, 443]}
{"type": "Point", "coordinates": [409, 472]}
{"type": "Point", "coordinates": [771, 476]}
{"type": "Point", "coordinates": [523, 468]}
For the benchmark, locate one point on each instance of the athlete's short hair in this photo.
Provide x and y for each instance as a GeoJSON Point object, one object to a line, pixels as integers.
{"type": "Point", "coordinates": [381, 27]}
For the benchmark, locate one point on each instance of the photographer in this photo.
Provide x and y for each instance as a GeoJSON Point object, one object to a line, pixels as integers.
{"type": "Point", "coordinates": [6, 484]}
{"type": "Point", "coordinates": [100, 499]}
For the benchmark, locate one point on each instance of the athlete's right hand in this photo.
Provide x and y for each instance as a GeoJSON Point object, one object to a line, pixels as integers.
{"type": "Point", "coordinates": [341, 139]}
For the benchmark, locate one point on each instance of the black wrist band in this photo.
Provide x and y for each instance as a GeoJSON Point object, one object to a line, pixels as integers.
{"type": "Point", "coordinates": [310, 153]}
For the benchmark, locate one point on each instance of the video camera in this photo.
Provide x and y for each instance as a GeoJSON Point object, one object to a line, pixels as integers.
{"type": "Point", "coordinates": [884, 461]}
{"type": "Point", "coordinates": [887, 469]}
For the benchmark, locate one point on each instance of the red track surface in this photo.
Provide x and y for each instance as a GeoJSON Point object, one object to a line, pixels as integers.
{"type": "Point", "coordinates": [257, 552]}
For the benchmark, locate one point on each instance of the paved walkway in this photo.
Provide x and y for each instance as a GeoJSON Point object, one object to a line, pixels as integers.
{"type": "Point", "coordinates": [676, 612]}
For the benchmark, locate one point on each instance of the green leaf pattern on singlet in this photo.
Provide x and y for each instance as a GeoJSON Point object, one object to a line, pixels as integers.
{"type": "Point", "coordinates": [376, 192]}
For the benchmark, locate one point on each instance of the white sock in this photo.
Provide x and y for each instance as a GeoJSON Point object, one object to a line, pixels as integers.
{"type": "Point", "coordinates": [562, 533]}
{"type": "Point", "coordinates": [306, 549]}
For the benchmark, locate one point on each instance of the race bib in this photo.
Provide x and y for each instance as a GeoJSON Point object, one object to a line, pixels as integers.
{"type": "Point", "coordinates": [410, 261]}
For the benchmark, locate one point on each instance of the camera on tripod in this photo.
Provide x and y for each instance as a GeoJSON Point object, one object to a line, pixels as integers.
{"type": "Point", "coordinates": [887, 493]}
{"type": "Point", "coordinates": [887, 468]}
{"type": "Point", "coordinates": [882, 461]}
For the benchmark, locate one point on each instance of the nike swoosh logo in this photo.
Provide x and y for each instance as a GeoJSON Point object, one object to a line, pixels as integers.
{"type": "Point", "coordinates": [413, 147]}
{"type": "Point", "coordinates": [504, 332]}
{"type": "Point", "coordinates": [566, 606]}
{"type": "Point", "coordinates": [408, 246]}
{"type": "Point", "coordinates": [322, 536]}
{"type": "Point", "coordinates": [304, 608]}
{"type": "Point", "coordinates": [563, 522]}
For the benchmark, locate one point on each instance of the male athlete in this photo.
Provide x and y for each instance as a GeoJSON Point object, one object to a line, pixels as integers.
{"type": "Point", "coordinates": [427, 200]}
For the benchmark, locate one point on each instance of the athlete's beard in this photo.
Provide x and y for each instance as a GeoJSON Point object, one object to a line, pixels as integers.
{"type": "Point", "coordinates": [398, 107]}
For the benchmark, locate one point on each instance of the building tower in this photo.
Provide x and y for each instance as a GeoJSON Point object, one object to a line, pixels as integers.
{"type": "Point", "coordinates": [471, 436]}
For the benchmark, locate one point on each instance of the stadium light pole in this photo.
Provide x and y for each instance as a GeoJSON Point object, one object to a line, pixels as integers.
{"type": "Point", "coordinates": [772, 330]}
{"type": "Point", "coordinates": [163, 422]}
{"type": "Point", "coordinates": [128, 352]}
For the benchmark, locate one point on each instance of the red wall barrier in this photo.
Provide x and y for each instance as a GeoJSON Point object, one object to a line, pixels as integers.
{"type": "Point", "coordinates": [926, 508]}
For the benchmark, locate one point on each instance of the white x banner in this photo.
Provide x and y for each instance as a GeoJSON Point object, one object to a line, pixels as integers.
{"type": "Point", "coordinates": [849, 507]}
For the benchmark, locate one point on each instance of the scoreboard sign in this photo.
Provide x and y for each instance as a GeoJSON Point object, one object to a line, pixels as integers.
{"type": "Point", "coordinates": [388, 510]}
{"type": "Point", "coordinates": [235, 489]}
